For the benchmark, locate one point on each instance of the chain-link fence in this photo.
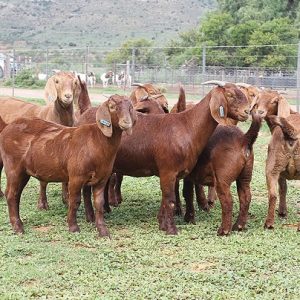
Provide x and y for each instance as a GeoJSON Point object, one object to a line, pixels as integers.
{"type": "Point", "coordinates": [149, 65]}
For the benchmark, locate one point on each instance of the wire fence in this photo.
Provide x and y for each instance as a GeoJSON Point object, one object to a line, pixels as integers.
{"type": "Point", "coordinates": [153, 64]}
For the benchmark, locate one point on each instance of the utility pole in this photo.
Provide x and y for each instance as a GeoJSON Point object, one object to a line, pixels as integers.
{"type": "Point", "coordinates": [47, 71]}
{"type": "Point", "coordinates": [86, 62]}
{"type": "Point", "coordinates": [133, 64]}
{"type": "Point", "coordinates": [13, 72]}
{"type": "Point", "coordinates": [203, 60]}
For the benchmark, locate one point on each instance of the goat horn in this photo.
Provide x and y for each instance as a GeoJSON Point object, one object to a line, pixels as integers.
{"type": "Point", "coordinates": [216, 82]}
{"type": "Point", "coordinates": [156, 96]}
{"type": "Point", "coordinates": [137, 84]}
{"type": "Point", "coordinates": [243, 84]}
{"type": "Point", "coordinates": [282, 92]}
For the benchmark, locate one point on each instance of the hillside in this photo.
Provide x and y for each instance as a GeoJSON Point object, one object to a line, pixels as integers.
{"type": "Point", "coordinates": [40, 23]}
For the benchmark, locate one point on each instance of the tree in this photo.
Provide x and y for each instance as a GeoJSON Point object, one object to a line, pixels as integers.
{"type": "Point", "coordinates": [144, 54]}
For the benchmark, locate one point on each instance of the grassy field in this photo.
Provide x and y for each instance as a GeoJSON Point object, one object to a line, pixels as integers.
{"type": "Point", "coordinates": [139, 261]}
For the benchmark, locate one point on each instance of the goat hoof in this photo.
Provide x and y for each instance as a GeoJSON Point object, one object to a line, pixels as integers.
{"type": "Point", "coordinates": [103, 231]}
{"type": "Point", "coordinates": [282, 215]}
{"type": "Point", "coordinates": [18, 228]}
{"type": "Point", "coordinates": [189, 218]}
{"type": "Point", "coordinates": [74, 228]}
{"type": "Point", "coordinates": [114, 203]}
{"type": "Point", "coordinates": [119, 200]}
{"type": "Point", "coordinates": [172, 231]}
{"type": "Point", "coordinates": [238, 227]}
{"type": "Point", "coordinates": [269, 225]}
{"type": "Point", "coordinates": [223, 232]}
{"type": "Point", "coordinates": [90, 218]}
{"type": "Point", "coordinates": [206, 208]}
{"type": "Point", "coordinates": [1, 194]}
{"type": "Point", "coordinates": [42, 205]}
{"type": "Point", "coordinates": [162, 226]}
{"type": "Point", "coordinates": [211, 203]}
{"type": "Point", "coordinates": [178, 211]}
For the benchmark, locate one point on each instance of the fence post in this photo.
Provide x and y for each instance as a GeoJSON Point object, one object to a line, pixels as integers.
{"type": "Point", "coordinates": [133, 64]}
{"type": "Point", "coordinates": [203, 66]}
{"type": "Point", "coordinates": [13, 72]}
{"type": "Point", "coordinates": [298, 78]}
{"type": "Point", "coordinates": [86, 62]}
{"type": "Point", "coordinates": [47, 71]}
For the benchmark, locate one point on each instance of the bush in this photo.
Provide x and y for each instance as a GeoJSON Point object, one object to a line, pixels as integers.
{"type": "Point", "coordinates": [25, 78]}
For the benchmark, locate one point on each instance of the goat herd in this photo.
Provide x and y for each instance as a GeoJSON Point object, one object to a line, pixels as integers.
{"type": "Point", "coordinates": [84, 147]}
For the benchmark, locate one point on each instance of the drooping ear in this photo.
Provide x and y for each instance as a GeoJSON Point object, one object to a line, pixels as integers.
{"type": "Point", "coordinates": [288, 129]}
{"type": "Point", "coordinates": [283, 107]}
{"type": "Point", "coordinates": [50, 90]}
{"type": "Point", "coordinates": [103, 119]}
{"type": "Point", "coordinates": [218, 107]}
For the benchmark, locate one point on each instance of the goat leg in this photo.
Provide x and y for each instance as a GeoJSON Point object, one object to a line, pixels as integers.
{"type": "Point", "coordinates": [244, 193]}
{"type": "Point", "coordinates": [42, 202]}
{"type": "Point", "coordinates": [282, 210]}
{"type": "Point", "coordinates": [1, 167]}
{"type": "Point", "coordinates": [223, 191]}
{"type": "Point", "coordinates": [111, 191]}
{"type": "Point", "coordinates": [98, 193]}
{"type": "Point", "coordinates": [89, 210]}
{"type": "Point", "coordinates": [200, 197]}
{"type": "Point", "coordinates": [166, 214]}
{"type": "Point", "coordinates": [15, 185]}
{"type": "Point", "coordinates": [178, 209]}
{"type": "Point", "coordinates": [212, 196]}
{"type": "Point", "coordinates": [65, 194]}
{"type": "Point", "coordinates": [271, 183]}
{"type": "Point", "coordinates": [74, 202]}
{"type": "Point", "coordinates": [118, 194]}
{"type": "Point", "coordinates": [106, 200]}
{"type": "Point", "coordinates": [188, 195]}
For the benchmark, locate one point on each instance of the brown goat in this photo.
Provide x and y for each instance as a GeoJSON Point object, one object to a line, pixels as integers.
{"type": "Point", "coordinates": [283, 162]}
{"type": "Point", "coordinates": [148, 91]}
{"type": "Point", "coordinates": [168, 145]}
{"type": "Point", "coordinates": [148, 106]}
{"type": "Point", "coordinates": [227, 157]}
{"type": "Point", "coordinates": [54, 153]}
{"type": "Point", "coordinates": [62, 91]}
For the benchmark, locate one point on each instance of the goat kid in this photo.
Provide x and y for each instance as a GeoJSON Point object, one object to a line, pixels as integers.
{"type": "Point", "coordinates": [53, 153]}
{"type": "Point", "coordinates": [227, 157]}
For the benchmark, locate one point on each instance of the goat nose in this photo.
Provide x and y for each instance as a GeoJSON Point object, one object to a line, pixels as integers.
{"type": "Point", "coordinates": [68, 96]}
{"type": "Point", "coordinates": [261, 112]}
{"type": "Point", "coordinates": [247, 111]}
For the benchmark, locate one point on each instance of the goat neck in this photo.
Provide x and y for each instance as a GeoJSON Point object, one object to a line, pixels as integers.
{"type": "Point", "coordinates": [201, 123]}
{"type": "Point", "coordinates": [64, 114]}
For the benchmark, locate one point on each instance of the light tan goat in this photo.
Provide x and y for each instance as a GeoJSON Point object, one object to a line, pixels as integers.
{"type": "Point", "coordinates": [61, 92]}
{"type": "Point", "coordinates": [283, 162]}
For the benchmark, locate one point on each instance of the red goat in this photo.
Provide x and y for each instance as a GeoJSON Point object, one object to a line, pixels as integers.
{"type": "Point", "coordinates": [54, 153]}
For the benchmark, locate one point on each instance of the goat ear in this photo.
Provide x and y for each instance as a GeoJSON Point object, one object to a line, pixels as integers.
{"type": "Point", "coordinates": [103, 119]}
{"type": "Point", "coordinates": [218, 107]}
{"type": "Point", "coordinates": [283, 107]}
{"type": "Point", "coordinates": [50, 90]}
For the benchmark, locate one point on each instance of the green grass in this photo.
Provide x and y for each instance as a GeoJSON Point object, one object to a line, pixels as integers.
{"type": "Point", "coordinates": [141, 262]}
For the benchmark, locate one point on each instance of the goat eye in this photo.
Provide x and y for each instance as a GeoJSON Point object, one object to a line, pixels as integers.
{"type": "Point", "coordinates": [56, 81]}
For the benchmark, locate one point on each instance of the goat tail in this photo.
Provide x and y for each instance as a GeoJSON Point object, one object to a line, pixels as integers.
{"type": "Point", "coordinates": [181, 103]}
{"type": "Point", "coordinates": [252, 133]}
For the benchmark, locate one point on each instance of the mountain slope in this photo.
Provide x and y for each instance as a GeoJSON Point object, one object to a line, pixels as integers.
{"type": "Point", "coordinates": [41, 23]}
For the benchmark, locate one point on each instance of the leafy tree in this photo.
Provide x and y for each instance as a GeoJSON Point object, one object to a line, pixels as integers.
{"type": "Point", "coordinates": [143, 53]}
